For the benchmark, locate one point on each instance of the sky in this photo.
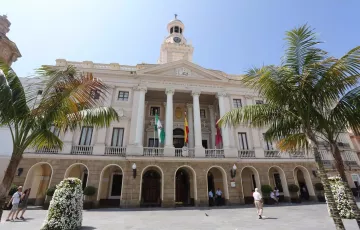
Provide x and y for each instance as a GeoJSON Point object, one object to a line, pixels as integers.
{"type": "Point", "coordinates": [231, 36]}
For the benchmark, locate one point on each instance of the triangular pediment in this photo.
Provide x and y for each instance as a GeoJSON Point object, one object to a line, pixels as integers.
{"type": "Point", "coordinates": [182, 69]}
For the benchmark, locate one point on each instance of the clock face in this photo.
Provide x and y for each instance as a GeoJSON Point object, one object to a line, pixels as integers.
{"type": "Point", "coordinates": [177, 39]}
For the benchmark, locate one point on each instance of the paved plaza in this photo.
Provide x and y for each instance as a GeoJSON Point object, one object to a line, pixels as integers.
{"type": "Point", "coordinates": [304, 217]}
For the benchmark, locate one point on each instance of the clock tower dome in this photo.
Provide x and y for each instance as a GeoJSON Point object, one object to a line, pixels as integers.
{"type": "Point", "coordinates": [175, 46]}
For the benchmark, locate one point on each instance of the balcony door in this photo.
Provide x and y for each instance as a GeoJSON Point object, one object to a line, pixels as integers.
{"type": "Point", "coordinates": [117, 137]}
{"type": "Point", "coordinates": [86, 135]}
{"type": "Point", "coordinates": [243, 141]}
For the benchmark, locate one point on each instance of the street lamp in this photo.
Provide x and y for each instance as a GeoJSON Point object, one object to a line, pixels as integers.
{"type": "Point", "coordinates": [233, 171]}
{"type": "Point", "coordinates": [134, 170]}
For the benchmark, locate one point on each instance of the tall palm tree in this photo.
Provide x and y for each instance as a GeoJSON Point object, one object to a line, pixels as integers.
{"type": "Point", "coordinates": [67, 102]}
{"type": "Point", "coordinates": [307, 82]}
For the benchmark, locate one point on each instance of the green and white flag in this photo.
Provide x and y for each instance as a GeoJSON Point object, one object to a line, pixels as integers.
{"type": "Point", "coordinates": [159, 128]}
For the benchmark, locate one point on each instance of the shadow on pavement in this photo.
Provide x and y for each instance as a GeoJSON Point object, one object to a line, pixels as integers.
{"type": "Point", "coordinates": [87, 228]}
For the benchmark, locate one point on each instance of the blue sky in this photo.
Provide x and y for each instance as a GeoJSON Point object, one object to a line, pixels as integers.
{"type": "Point", "coordinates": [231, 36]}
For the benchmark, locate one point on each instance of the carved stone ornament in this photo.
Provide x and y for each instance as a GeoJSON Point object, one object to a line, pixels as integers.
{"type": "Point", "coordinates": [140, 88]}
{"type": "Point", "coordinates": [182, 71]}
{"type": "Point", "coordinates": [196, 92]}
{"type": "Point", "coordinates": [169, 91]}
{"type": "Point", "coordinates": [221, 94]}
{"type": "Point", "coordinates": [178, 112]}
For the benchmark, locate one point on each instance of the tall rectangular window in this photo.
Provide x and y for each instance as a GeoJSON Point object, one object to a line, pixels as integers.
{"type": "Point", "coordinates": [268, 144]}
{"type": "Point", "coordinates": [152, 143]}
{"type": "Point", "coordinates": [123, 96]}
{"type": "Point", "coordinates": [117, 137]}
{"type": "Point", "coordinates": [55, 130]}
{"type": "Point", "coordinates": [154, 110]}
{"type": "Point", "coordinates": [237, 103]}
{"type": "Point", "coordinates": [202, 113]}
{"type": "Point", "coordinates": [86, 135]}
{"type": "Point", "coordinates": [243, 142]}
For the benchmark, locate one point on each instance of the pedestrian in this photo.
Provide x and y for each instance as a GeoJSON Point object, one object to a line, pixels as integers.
{"type": "Point", "coordinates": [15, 200]}
{"type": "Point", "coordinates": [277, 193]}
{"type": "Point", "coordinates": [218, 196]}
{"type": "Point", "coordinates": [258, 202]}
{"type": "Point", "coordinates": [23, 204]}
{"type": "Point", "coordinates": [211, 198]}
{"type": "Point", "coordinates": [272, 196]}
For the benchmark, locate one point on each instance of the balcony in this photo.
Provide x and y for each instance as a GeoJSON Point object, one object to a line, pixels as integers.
{"type": "Point", "coordinates": [184, 152]}
{"type": "Point", "coordinates": [81, 150]}
{"type": "Point", "coordinates": [47, 150]}
{"type": "Point", "coordinates": [214, 153]}
{"type": "Point", "coordinates": [349, 158]}
{"type": "Point", "coordinates": [115, 151]}
{"type": "Point", "coordinates": [246, 154]}
{"type": "Point", "coordinates": [153, 152]}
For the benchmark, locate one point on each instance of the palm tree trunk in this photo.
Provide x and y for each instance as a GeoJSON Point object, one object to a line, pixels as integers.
{"type": "Point", "coordinates": [334, 212]}
{"type": "Point", "coordinates": [339, 164]}
{"type": "Point", "coordinates": [8, 179]}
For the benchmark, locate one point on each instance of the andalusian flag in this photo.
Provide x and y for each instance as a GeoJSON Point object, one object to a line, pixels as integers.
{"type": "Point", "coordinates": [186, 128]}
{"type": "Point", "coordinates": [159, 129]}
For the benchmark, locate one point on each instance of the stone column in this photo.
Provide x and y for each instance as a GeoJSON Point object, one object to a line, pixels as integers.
{"type": "Point", "coordinates": [225, 130]}
{"type": "Point", "coordinates": [136, 148]}
{"type": "Point", "coordinates": [169, 149]}
{"type": "Point", "coordinates": [190, 120]}
{"type": "Point", "coordinates": [255, 134]}
{"type": "Point", "coordinates": [212, 125]}
{"type": "Point", "coordinates": [199, 149]}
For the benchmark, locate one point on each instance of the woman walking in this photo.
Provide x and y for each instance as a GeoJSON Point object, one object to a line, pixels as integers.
{"type": "Point", "coordinates": [23, 204]}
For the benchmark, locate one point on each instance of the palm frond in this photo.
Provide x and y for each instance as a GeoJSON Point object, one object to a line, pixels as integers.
{"type": "Point", "coordinates": [293, 142]}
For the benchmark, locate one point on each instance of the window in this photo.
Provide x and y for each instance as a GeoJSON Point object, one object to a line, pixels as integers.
{"type": "Point", "coordinates": [39, 92]}
{"type": "Point", "coordinates": [171, 30]}
{"type": "Point", "coordinates": [243, 142]}
{"type": "Point", "coordinates": [55, 130]}
{"type": "Point", "coordinates": [152, 144]}
{"type": "Point", "coordinates": [154, 110]}
{"type": "Point", "coordinates": [94, 94]}
{"type": "Point", "coordinates": [259, 102]}
{"type": "Point", "coordinates": [117, 137]}
{"type": "Point", "coordinates": [86, 134]}
{"type": "Point", "coordinates": [202, 113]}
{"type": "Point", "coordinates": [176, 29]}
{"type": "Point", "coordinates": [123, 96]}
{"type": "Point", "coordinates": [268, 144]}
{"type": "Point", "coordinates": [237, 103]}
{"type": "Point", "coordinates": [180, 30]}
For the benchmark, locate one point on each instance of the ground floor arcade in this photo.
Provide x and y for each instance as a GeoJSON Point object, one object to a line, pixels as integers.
{"type": "Point", "coordinates": [157, 182]}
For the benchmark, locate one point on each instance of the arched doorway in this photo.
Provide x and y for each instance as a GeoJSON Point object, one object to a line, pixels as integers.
{"type": "Point", "coordinates": [110, 186]}
{"type": "Point", "coordinates": [80, 171]}
{"type": "Point", "coordinates": [217, 179]}
{"type": "Point", "coordinates": [151, 188]}
{"type": "Point", "coordinates": [38, 180]}
{"type": "Point", "coordinates": [178, 138]}
{"type": "Point", "coordinates": [185, 186]}
{"type": "Point", "coordinates": [277, 180]}
{"type": "Point", "coordinates": [249, 181]}
{"type": "Point", "coordinates": [303, 180]}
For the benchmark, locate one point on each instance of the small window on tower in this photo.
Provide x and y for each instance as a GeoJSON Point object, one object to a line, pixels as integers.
{"type": "Point", "coordinates": [180, 30]}
{"type": "Point", "coordinates": [176, 29]}
{"type": "Point", "coordinates": [171, 30]}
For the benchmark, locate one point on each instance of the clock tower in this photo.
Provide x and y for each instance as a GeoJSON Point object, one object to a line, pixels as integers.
{"type": "Point", "coordinates": [175, 46]}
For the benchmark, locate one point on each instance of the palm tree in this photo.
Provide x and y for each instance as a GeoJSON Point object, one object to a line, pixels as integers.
{"type": "Point", "coordinates": [306, 83]}
{"type": "Point", "coordinates": [67, 102]}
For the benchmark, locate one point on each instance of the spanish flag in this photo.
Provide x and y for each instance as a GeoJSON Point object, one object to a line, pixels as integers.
{"type": "Point", "coordinates": [186, 128]}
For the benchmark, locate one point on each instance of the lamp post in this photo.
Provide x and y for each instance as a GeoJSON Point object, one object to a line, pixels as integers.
{"type": "Point", "coordinates": [233, 171]}
{"type": "Point", "coordinates": [134, 170]}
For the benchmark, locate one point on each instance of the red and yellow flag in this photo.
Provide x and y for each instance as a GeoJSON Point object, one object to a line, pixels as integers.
{"type": "Point", "coordinates": [186, 128]}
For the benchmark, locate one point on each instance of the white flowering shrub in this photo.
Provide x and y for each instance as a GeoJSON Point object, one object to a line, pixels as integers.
{"type": "Point", "coordinates": [341, 200]}
{"type": "Point", "coordinates": [65, 210]}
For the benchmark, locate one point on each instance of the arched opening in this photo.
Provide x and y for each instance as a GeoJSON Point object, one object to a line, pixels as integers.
{"type": "Point", "coordinates": [151, 188]}
{"type": "Point", "coordinates": [217, 184]}
{"type": "Point", "coordinates": [249, 181]}
{"type": "Point", "coordinates": [38, 180]}
{"type": "Point", "coordinates": [303, 180]}
{"type": "Point", "coordinates": [178, 138]}
{"type": "Point", "coordinates": [277, 180]}
{"type": "Point", "coordinates": [80, 171]}
{"type": "Point", "coordinates": [185, 186]}
{"type": "Point", "coordinates": [110, 186]}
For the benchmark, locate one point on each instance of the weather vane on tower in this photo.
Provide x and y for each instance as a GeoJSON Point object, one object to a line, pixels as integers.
{"type": "Point", "coordinates": [176, 16]}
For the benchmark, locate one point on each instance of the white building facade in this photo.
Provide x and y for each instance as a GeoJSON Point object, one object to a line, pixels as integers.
{"type": "Point", "coordinates": [130, 167]}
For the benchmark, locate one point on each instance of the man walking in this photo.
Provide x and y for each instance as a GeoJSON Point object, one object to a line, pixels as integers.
{"type": "Point", "coordinates": [15, 200]}
{"type": "Point", "coordinates": [258, 202]}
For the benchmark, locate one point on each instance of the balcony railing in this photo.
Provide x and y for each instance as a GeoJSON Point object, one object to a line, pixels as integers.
{"type": "Point", "coordinates": [246, 154]}
{"type": "Point", "coordinates": [47, 150]}
{"type": "Point", "coordinates": [184, 152]}
{"type": "Point", "coordinates": [178, 152]}
{"type": "Point", "coordinates": [81, 150]}
{"type": "Point", "coordinates": [214, 153]}
{"type": "Point", "coordinates": [153, 152]}
{"type": "Point", "coordinates": [272, 154]}
{"type": "Point", "coordinates": [349, 157]}
{"type": "Point", "coordinates": [115, 151]}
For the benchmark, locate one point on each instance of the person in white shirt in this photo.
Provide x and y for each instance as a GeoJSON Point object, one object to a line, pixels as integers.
{"type": "Point", "coordinates": [218, 196]}
{"type": "Point", "coordinates": [277, 193]}
{"type": "Point", "coordinates": [211, 198]}
{"type": "Point", "coordinates": [15, 201]}
{"type": "Point", "coordinates": [258, 202]}
{"type": "Point", "coordinates": [272, 196]}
